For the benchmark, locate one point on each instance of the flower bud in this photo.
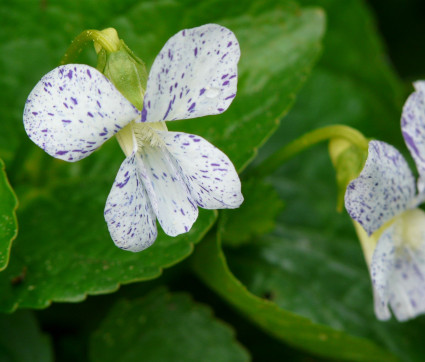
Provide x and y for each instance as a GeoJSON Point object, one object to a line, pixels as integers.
{"type": "Point", "coordinates": [348, 161]}
{"type": "Point", "coordinates": [123, 68]}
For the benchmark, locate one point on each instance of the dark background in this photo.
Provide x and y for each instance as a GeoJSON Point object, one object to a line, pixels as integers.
{"type": "Point", "coordinates": [402, 26]}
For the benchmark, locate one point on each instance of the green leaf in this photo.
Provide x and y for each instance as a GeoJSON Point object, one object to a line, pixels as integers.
{"type": "Point", "coordinates": [256, 216]}
{"type": "Point", "coordinates": [64, 245]}
{"type": "Point", "coordinates": [279, 44]}
{"type": "Point", "coordinates": [164, 327]}
{"type": "Point", "coordinates": [21, 339]}
{"type": "Point", "coordinates": [8, 222]}
{"type": "Point", "coordinates": [210, 264]}
{"type": "Point", "coordinates": [66, 249]}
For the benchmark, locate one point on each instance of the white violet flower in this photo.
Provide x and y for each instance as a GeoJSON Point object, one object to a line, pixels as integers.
{"type": "Point", "coordinates": [384, 201]}
{"type": "Point", "coordinates": [166, 175]}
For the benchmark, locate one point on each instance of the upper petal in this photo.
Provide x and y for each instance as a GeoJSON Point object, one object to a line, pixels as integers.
{"type": "Point", "coordinates": [208, 172]}
{"type": "Point", "coordinates": [74, 109]}
{"type": "Point", "coordinates": [384, 189]}
{"type": "Point", "coordinates": [170, 199]}
{"type": "Point", "coordinates": [398, 267]}
{"type": "Point", "coordinates": [413, 129]}
{"type": "Point", "coordinates": [128, 212]}
{"type": "Point", "coordinates": [195, 74]}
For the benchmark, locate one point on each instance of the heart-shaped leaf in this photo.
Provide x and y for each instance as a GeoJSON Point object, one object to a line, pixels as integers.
{"type": "Point", "coordinates": [164, 327]}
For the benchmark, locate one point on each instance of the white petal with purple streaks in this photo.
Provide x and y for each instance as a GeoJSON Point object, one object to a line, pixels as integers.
{"type": "Point", "coordinates": [384, 189]}
{"type": "Point", "coordinates": [128, 212]}
{"type": "Point", "coordinates": [73, 110]}
{"type": "Point", "coordinates": [195, 74]}
{"type": "Point", "coordinates": [210, 175]}
{"type": "Point", "coordinates": [170, 198]}
{"type": "Point", "coordinates": [398, 268]}
{"type": "Point", "coordinates": [413, 129]}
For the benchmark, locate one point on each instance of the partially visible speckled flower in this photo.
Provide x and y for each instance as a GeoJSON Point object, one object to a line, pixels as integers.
{"type": "Point", "coordinates": [384, 200]}
{"type": "Point", "coordinates": [74, 109]}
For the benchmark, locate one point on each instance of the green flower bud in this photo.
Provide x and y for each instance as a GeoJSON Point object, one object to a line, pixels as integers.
{"type": "Point", "coordinates": [123, 68]}
{"type": "Point", "coordinates": [348, 161]}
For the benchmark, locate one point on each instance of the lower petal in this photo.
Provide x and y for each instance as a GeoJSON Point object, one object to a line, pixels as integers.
{"type": "Point", "coordinates": [128, 212]}
{"type": "Point", "coordinates": [398, 267]}
{"type": "Point", "coordinates": [208, 172]}
{"type": "Point", "coordinates": [171, 200]}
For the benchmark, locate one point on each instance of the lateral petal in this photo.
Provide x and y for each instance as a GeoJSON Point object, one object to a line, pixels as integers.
{"type": "Point", "coordinates": [128, 212]}
{"type": "Point", "coordinates": [194, 75]}
{"type": "Point", "coordinates": [208, 172]}
{"type": "Point", "coordinates": [73, 110]}
{"type": "Point", "coordinates": [413, 129]}
{"type": "Point", "coordinates": [384, 189]}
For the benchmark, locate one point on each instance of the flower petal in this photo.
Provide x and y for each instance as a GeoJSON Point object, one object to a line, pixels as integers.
{"type": "Point", "coordinates": [170, 199]}
{"type": "Point", "coordinates": [413, 129]}
{"type": "Point", "coordinates": [384, 189]}
{"type": "Point", "coordinates": [208, 172]}
{"type": "Point", "coordinates": [195, 74]}
{"type": "Point", "coordinates": [128, 212]}
{"type": "Point", "coordinates": [398, 267]}
{"type": "Point", "coordinates": [74, 109]}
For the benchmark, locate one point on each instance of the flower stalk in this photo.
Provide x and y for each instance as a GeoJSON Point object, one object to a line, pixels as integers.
{"type": "Point", "coordinates": [106, 39]}
{"type": "Point", "coordinates": [308, 140]}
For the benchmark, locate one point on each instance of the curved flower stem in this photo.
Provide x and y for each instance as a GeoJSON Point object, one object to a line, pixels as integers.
{"type": "Point", "coordinates": [306, 141]}
{"type": "Point", "coordinates": [108, 43]}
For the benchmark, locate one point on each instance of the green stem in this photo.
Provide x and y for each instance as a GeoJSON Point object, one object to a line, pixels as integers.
{"type": "Point", "coordinates": [81, 41]}
{"type": "Point", "coordinates": [306, 141]}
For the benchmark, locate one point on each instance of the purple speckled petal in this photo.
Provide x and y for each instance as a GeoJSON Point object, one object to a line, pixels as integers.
{"type": "Point", "coordinates": [170, 199]}
{"type": "Point", "coordinates": [128, 212]}
{"type": "Point", "coordinates": [208, 172]}
{"type": "Point", "coordinates": [195, 74]}
{"type": "Point", "coordinates": [413, 129]}
{"type": "Point", "coordinates": [73, 110]}
{"type": "Point", "coordinates": [384, 189]}
{"type": "Point", "coordinates": [398, 268]}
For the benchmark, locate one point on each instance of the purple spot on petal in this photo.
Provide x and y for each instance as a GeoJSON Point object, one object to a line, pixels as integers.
{"type": "Point", "coordinates": [144, 114]}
